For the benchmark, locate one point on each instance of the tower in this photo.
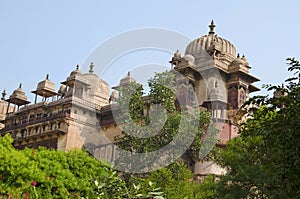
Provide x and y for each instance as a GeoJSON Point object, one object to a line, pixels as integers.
{"type": "Point", "coordinates": [220, 77]}
{"type": "Point", "coordinates": [221, 81]}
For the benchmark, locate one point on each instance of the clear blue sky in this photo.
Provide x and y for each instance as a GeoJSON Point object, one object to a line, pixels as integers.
{"type": "Point", "coordinates": [40, 37]}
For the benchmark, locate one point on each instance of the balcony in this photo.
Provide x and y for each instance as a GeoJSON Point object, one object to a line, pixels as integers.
{"type": "Point", "coordinates": [36, 120]}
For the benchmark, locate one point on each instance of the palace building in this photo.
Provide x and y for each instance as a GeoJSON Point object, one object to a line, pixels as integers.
{"type": "Point", "coordinates": [79, 113]}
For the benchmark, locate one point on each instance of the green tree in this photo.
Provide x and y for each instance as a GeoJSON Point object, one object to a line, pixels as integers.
{"type": "Point", "coordinates": [152, 122]}
{"type": "Point", "coordinates": [264, 161]}
{"type": "Point", "coordinates": [44, 173]}
{"type": "Point", "coordinates": [159, 119]}
{"type": "Point", "coordinates": [172, 182]}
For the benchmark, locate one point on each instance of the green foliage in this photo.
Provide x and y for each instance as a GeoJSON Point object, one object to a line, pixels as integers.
{"type": "Point", "coordinates": [158, 128]}
{"type": "Point", "coordinates": [172, 182]}
{"type": "Point", "coordinates": [46, 173]}
{"type": "Point", "coordinates": [163, 90]}
{"type": "Point", "coordinates": [156, 120]}
{"type": "Point", "coordinates": [204, 190]}
{"type": "Point", "coordinates": [136, 122]}
{"type": "Point", "coordinates": [264, 162]}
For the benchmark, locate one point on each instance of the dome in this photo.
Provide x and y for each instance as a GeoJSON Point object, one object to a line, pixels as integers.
{"type": "Point", "coordinates": [75, 72]}
{"type": "Point", "coordinates": [177, 54]}
{"type": "Point", "coordinates": [237, 62]}
{"type": "Point", "coordinates": [18, 93]}
{"type": "Point", "coordinates": [62, 89]}
{"type": "Point", "coordinates": [18, 97]}
{"type": "Point", "coordinates": [126, 80]}
{"type": "Point", "coordinates": [74, 76]}
{"type": "Point", "coordinates": [245, 60]}
{"type": "Point", "coordinates": [114, 96]}
{"type": "Point", "coordinates": [211, 42]}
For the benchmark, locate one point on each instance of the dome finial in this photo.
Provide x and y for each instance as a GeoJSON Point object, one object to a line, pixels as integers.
{"type": "Point", "coordinates": [77, 67]}
{"type": "Point", "coordinates": [128, 74]}
{"type": "Point", "coordinates": [244, 59]}
{"type": "Point", "coordinates": [177, 54]}
{"type": "Point", "coordinates": [3, 94]}
{"type": "Point", "coordinates": [212, 27]}
{"type": "Point", "coordinates": [20, 85]}
{"type": "Point", "coordinates": [91, 68]}
{"type": "Point", "coordinates": [47, 76]}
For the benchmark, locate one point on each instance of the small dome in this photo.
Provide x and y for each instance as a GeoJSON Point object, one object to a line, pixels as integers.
{"type": "Point", "coordinates": [237, 62]}
{"type": "Point", "coordinates": [114, 96]}
{"type": "Point", "coordinates": [74, 76]}
{"type": "Point", "coordinates": [189, 58]}
{"type": "Point", "coordinates": [75, 72]}
{"type": "Point", "coordinates": [126, 80]}
{"type": "Point", "coordinates": [18, 97]}
{"type": "Point", "coordinates": [177, 54]}
{"type": "Point", "coordinates": [209, 42]}
{"type": "Point", "coordinates": [18, 93]}
{"type": "Point", "coordinates": [62, 89]}
{"type": "Point", "coordinates": [245, 60]}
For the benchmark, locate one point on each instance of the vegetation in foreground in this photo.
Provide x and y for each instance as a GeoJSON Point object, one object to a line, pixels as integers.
{"type": "Point", "coordinates": [264, 161]}
{"type": "Point", "coordinates": [44, 173]}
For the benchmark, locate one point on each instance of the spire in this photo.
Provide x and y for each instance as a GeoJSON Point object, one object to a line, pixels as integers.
{"type": "Point", "coordinates": [3, 95]}
{"type": "Point", "coordinates": [20, 86]}
{"type": "Point", "coordinates": [47, 76]}
{"type": "Point", "coordinates": [212, 27]}
{"type": "Point", "coordinates": [91, 71]}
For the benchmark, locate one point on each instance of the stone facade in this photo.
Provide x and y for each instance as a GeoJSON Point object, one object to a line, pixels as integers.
{"type": "Point", "coordinates": [61, 120]}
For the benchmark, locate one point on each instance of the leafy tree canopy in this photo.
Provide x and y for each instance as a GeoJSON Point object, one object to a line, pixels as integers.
{"type": "Point", "coordinates": [152, 122]}
{"type": "Point", "coordinates": [264, 161]}
{"type": "Point", "coordinates": [45, 173]}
